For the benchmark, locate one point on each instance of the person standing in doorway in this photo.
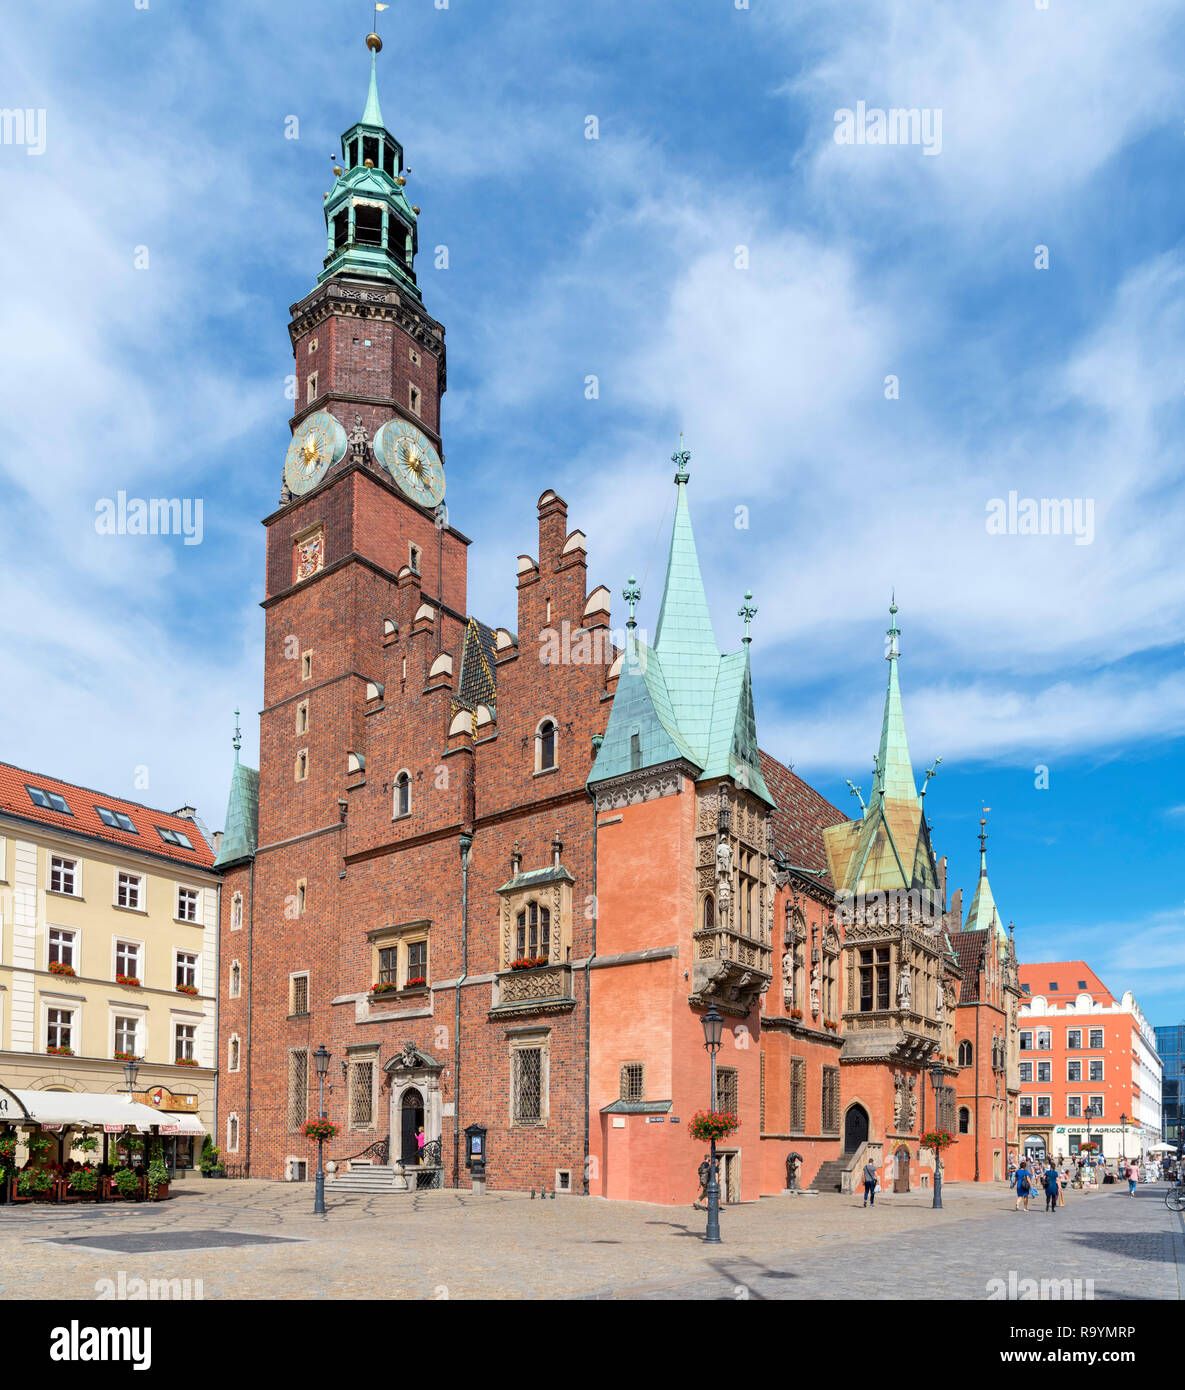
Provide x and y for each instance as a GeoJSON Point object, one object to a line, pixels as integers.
{"type": "Point", "coordinates": [421, 1140]}
{"type": "Point", "coordinates": [1133, 1177]}
{"type": "Point", "coordinates": [870, 1184]}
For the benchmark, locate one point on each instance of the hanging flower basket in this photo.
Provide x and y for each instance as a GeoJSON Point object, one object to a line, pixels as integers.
{"type": "Point", "coordinates": [937, 1139]}
{"type": "Point", "coordinates": [1088, 1147]}
{"type": "Point", "coordinates": [320, 1129]}
{"type": "Point", "coordinates": [57, 968]}
{"type": "Point", "coordinates": [130, 980]}
{"type": "Point", "coordinates": [707, 1125]}
{"type": "Point", "coordinates": [86, 1144]}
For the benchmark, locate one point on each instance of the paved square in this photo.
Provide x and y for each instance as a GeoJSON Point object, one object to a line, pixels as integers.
{"type": "Point", "coordinates": [255, 1240]}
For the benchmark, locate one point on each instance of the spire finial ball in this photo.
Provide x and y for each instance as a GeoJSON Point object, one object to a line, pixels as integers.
{"type": "Point", "coordinates": [374, 43]}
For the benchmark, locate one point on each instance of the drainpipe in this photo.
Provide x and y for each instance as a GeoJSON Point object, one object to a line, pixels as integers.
{"type": "Point", "coordinates": [250, 1004]}
{"type": "Point", "coordinates": [588, 1004]}
{"type": "Point", "coordinates": [466, 842]}
{"type": "Point", "coordinates": [977, 1059]}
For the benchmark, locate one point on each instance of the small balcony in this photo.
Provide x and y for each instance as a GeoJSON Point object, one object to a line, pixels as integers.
{"type": "Point", "coordinates": [730, 970]}
{"type": "Point", "coordinates": [542, 989]}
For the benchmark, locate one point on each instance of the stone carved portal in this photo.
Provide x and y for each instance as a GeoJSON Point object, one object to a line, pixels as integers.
{"type": "Point", "coordinates": [415, 1099]}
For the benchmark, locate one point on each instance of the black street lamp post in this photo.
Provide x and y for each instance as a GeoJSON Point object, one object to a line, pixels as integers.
{"type": "Point", "coordinates": [936, 1076]}
{"type": "Point", "coordinates": [321, 1059]}
{"type": "Point", "coordinates": [713, 1027]}
{"type": "Point", "coordinates": [1123, 1137]}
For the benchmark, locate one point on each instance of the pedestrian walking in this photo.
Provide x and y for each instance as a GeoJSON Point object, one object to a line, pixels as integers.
{"type": "Point", "coordinates": [870, 1184]}
{"type": "Point", "coordinates": [1023, 1185]}
{"type": "Point", "coordinates": [1063, 1183]}
{"type": "Point", "coordinates": [1051, 1187]}
{"type": "Point", "coordinates": [1133, 1177]}
{"type": "Point", "coordinates": [705, 1172]}
{"type": "Point", "coordinates": [421, 1140]}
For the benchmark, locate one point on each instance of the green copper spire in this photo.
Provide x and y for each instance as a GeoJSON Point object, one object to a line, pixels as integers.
{"type": "Point", "coordinates": [240, 835]}
{"type": "Point", "coordinates": [371, 227]}
{"type": "Point", "coordinates": [373, 114]}
{"type": "Point", "coordinates": [894, 780]}
{"type": "Point", "coordinates": [681, 698]}
{"type": "Point", "coordinates": [983, 914]}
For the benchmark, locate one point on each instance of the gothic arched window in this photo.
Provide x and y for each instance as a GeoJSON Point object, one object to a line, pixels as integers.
{"type": "Point", "coordinates": [965, 1054]}
{"type": "Point", "coordinates": [964, 1120]}
{"type": "Point", "coordinates": [533, 937]}
{"type": "Point", "coordinates": [709, 913]}
{"type": "Point", "coordinates": [545, 746]}
{"type": "Point", "coordinates": [403, 794]}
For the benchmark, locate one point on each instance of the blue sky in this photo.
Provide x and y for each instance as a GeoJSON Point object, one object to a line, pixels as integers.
{"type": "Point", "coordinates": [617, 257]}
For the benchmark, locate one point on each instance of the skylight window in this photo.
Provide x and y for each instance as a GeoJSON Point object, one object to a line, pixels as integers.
{"type": "Point", "coordinates": [1026, 989]}
{"type": "Point", "coordinates": [116, 820]}
{"type": "Point", "coordinates": [1081, 984]}
{"type": "Point", "coordinates": [48, 801]}
{"type": "Point", "coordinates": [174, 837]}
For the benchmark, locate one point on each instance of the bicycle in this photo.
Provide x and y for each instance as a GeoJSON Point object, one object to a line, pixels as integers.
{"type": "Point", "coordinates": [1174, 1198]}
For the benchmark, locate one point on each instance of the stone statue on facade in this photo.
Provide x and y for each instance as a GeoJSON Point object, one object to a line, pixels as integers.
{"type": "Point", "coordinates": [359, 442]}
{"type": "Point", "coordinates": [898, 1100]}
{"type": "Point", "coordinates": [911, 1102]}
{"type": "Point", "coordinates": [814, 987]}
{"type": "Point", "coordinates": [788, 964]}
{"type": "Point", "coordinates": [904, 989]}
{"type": "Point", "coordinates": [724, 860]}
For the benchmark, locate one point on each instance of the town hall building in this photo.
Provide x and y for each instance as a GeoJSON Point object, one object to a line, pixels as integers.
{"type": "Point", "coordinates": [501, 876]}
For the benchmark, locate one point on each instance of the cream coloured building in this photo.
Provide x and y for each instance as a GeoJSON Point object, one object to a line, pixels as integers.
{"type": "Point", "coordinates": [108, 949]}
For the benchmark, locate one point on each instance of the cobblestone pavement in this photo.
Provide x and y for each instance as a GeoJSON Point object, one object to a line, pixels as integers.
{"type": "Point", "coordinates": [504, 1245]}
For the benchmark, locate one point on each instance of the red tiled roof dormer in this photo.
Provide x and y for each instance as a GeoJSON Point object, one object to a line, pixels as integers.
{"type": "Point", "coordinates": [84, 819]}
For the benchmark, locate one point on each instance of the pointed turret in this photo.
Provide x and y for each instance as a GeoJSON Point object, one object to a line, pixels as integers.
{"type": "Point", "coordinates": [983, 914]}
{"type": "Point", "coordinates": [371, 226]}
{"type": "Point", "coordinates": [681, 698]}
{"type": "Point", "coordinates": [240, 837]}
{"type": "Point", "coordinates": [888, 849]}
{"type": "Point", "coordinates": [895, 780]}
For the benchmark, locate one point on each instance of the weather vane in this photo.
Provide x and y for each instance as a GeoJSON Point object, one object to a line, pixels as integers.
{"type": "Point", "coordinates": [632, 593]}
{"type": "Point", "coordinates": [748, 611]}
{"type": "Point", "coordinates": [681, 458]}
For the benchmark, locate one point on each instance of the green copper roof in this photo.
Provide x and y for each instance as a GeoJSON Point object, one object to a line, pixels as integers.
{"type": "Point", "coordinates": [240, 838]}
{"type": "Point", "coordinates": [681, 698]}
{"type": "Point", "coordinates": [373, 114]}
{"type": "Point", "coordinates": [895, 779]}
{"type": "Point", "coordinates": [983, 915]}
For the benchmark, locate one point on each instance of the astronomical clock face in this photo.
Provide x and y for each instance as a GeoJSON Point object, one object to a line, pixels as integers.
{"type": "Point", "coordinates": [318, 443]}
{"type": "Point", "coordinates": [407, 454]}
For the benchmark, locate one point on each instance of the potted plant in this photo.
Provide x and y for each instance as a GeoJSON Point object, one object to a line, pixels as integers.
{"type": "Point", "coordinates": [131, 980]}
{"type": "Point", "coordinates": [7, 1163]}
{"type": "Point", "coordinates": [384, 987]}
{"type": "Point", "coordinates": [796, 1014]}
{"type": "Point", "coordinates": [208, 1161]}
{"type": "Point", "coordinates": [56, 967]}
{"type": "Point", "coordinates": [418, 983]}
{"type": "Point", "coordinates": [187, 1062]}
{"type": "Point", "coordinates": [124, 1185]}
{"type": "Point", "coordinates": [35, 1185]}
{"type": "Point", "coordinates": [59, 1051]}
{"type": "Point", "coordinates": [81, 1185]}
{"type": "Point", "coordinates": [158, 1174]}
{"type": "Point", "coordinates": [125, 1056]}
{"type": "Point", "coordinates": [187, 989]}
{"type": "Point", "coordinates": [707, 1125]}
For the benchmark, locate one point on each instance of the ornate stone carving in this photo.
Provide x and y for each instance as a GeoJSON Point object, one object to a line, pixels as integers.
{"type": "Point", "coordinates": [904, 988]}
{"type": "Point", "coordinates": [631, 788]}
{"type": "Point", "coordinates": [359, 442]}
{"type": "Point", "coordinates": [814, 987]}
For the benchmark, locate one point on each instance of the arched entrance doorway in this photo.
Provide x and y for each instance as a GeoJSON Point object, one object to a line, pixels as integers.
{"type": "Point", "coordinates": [412, 1117]}
{"type": "Point", "coordinates": [855, 1128]}
{"type": "Point", "coordinates": [1035, 1149]}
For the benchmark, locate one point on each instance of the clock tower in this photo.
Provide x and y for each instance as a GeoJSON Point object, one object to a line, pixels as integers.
{"type": "Point", "coordinates": [360, 548]}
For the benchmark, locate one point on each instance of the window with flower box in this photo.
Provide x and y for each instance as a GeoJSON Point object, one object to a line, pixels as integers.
{"type": "Point", "coordinates": [127, 1036]}
{"type": "Point", "coordinates": [185, 971]}
{"type": "Point", "coordinates": [61, 943]}
{"type": "Point", "coordinates": [59, 1028]}
{"type": "Point", "coordinates": [185, 1042]}
{"type": "Point", "coordinates": [533, 932]}
{"type": "Point", "coordinates": [127, 959]}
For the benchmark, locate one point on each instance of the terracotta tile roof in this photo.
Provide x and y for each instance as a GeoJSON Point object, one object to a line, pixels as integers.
{"type": "Point", "coordinates": [84, 819]}
{"type": "Point", "coordinates": [969, 952]}
{"type": "Point", "coordinates": [1039, 976]}
{"type": "Point", "coordinates": [800, 819]}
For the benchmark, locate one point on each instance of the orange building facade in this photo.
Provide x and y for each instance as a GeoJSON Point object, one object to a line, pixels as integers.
{"type": "Point", "coordinates": [1089, 1070]}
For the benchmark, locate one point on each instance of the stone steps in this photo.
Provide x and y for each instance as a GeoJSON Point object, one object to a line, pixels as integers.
{"type": "Point", "coordinates": [829, 1178]}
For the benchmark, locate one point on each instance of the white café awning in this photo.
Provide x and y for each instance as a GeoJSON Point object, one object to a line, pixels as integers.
{"type": "Point", "coordinates": [86, 1108]}
{"type": "Point", "coordinates": [172, 1122]}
